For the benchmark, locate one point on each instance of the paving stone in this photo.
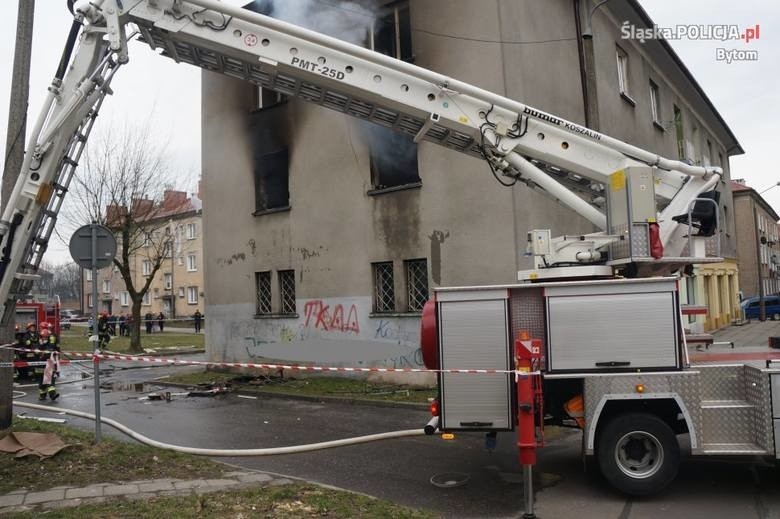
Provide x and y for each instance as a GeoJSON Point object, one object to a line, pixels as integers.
{"type": "Point", "coordinates": [221, 482]}
{"type": "Point", "coordinates": [121, 490]}
{"type": "Point", "coordinates": [280, 481]}
{"type": "Point", "coordinates": [90, 491]}
{"type": "Point", "coordinates": [41, 497]}
{"type": "Point", "coordinates": [62, 487]}
{"type": "Point", "coordinates": [236, 473]}
{"type": "Point", "coordinates": [11, 500]}
{"type": "Point", "coordinates": [194, 483]}
{"type": "Point", "coordinates": [67, 503]}
{"type": "Point", "coordinates": [156, 486]}
{"type": "Point", "coordinates": [254, 478]}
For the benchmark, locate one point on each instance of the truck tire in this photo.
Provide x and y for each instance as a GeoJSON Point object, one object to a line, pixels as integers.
{"type": "Point", "coordinates": [638, 453]}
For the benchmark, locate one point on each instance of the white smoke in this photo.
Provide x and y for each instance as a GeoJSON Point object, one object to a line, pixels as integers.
{"type": "Point", "coordinates": [348, 21]}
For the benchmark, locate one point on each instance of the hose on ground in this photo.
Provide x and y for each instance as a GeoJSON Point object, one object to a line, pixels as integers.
{"type": "Point", "coordinates": [228, 452]}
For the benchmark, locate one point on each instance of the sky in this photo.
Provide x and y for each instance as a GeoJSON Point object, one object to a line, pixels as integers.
{"type": "Point", "coordinates": [158, 90]}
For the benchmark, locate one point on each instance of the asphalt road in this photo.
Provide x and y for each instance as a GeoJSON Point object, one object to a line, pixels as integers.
{"type": "Point", "coordinates": [400, 470]}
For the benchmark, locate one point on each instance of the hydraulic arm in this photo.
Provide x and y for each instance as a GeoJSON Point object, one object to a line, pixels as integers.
{"type": "Point", "coordinates": [572, 164]}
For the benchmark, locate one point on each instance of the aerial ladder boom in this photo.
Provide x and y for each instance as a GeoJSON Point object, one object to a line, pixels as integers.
{"type": "Point", "coordinates": [566, 161]}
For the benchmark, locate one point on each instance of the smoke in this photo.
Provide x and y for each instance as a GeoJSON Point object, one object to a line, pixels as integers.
{"type": "Point", "coordinates": [345, 20]}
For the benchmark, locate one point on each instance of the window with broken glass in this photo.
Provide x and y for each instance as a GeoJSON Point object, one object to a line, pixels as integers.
{"type": "Point", "coordinates": [263, 293]}
{"type": "Point", "coordinates": [384, 290]}
{"type": "Point", "coordinates": [416, 284]}
{"type": "Point", "coordinates": [287, 291]}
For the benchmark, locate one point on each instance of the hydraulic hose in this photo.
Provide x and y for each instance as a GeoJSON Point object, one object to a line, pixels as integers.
{"type": "Point", "coordinates": [228, 452]}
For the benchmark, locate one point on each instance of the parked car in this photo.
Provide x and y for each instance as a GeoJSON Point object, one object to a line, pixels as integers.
{"type": "Point", "coordinates": [751, 307]}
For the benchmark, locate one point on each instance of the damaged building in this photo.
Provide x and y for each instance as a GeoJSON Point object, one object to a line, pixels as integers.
{"type": "Point", "coordinates": [326, 234]}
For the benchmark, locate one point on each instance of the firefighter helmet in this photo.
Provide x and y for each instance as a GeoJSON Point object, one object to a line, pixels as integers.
{"type": "Point", "coordinates": [31, 325]}
{"type": "Point", "coordinates": [45, 325]}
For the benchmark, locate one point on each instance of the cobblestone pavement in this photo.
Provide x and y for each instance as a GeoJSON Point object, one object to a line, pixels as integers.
{"type": "Point", "coordinates": [23, 500]}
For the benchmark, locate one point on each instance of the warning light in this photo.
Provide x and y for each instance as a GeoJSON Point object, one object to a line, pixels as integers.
{"type": "Point", "coordinates": [447, 436]}
{"type": "Point", "coordinates": [434, 408]}
{"type": "Point", "coordinates": [640, 388]}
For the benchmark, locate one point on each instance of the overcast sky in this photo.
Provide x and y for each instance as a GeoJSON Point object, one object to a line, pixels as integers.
{"type": "Point", "coordinates": [745, 93]}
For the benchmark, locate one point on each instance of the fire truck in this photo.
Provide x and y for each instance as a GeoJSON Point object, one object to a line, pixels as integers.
{"type": "Point", "coordinates": [33, 312]}
{"type": "Point", "coordinates": [592, 335]}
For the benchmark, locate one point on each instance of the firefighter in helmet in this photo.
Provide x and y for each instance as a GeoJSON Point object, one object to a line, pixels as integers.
{"type": "Point", "coordinates": [31, 338]}
{"type": "Point", "coordinates": [51, 371]}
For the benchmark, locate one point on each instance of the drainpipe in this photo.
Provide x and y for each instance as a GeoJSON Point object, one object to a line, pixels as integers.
{"type": "Point", "coordinates": [581, 56]}
{"type": "Point", "coordinates": [588, 60]}
{"type": "Point", "coordinates": [761, 302]}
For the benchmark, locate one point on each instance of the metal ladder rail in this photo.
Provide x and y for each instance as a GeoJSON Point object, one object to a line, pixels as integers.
{"type": "Point", "coordinates": [45, 225]}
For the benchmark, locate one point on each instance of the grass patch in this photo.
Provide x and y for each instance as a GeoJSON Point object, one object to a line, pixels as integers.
{"type": "Point", "coordinates": [86, 463]}
{"type": "Point", "coordinates": [312, 386]}
{"type": "Point", "coordinates": [75, 339]}
{"type": "Point", "coordinates": [293, 500]}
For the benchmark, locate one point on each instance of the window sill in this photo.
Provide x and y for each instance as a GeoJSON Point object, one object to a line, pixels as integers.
{"type": "Point", "coordinates": [378, 315]}
{"type": "Point", "coordinates": [276, 316]}
{"type": "Point", "coordinates": [659, 126]}
{"type": "Point", "coordinates": [627, 98]}
{"type": "Point", "coordinates": [271, 211]}
{"type": "Point", "coordinates": [383, 190]}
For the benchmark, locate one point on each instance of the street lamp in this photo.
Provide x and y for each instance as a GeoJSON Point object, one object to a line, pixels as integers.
{"type": "Point", "coordinates": [770, 187]}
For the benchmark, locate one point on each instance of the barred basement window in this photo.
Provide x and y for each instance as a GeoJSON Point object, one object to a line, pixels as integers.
{"type": "Point", "coordinates": [262, 293]}
{"type": "Point", "coordinates": [416, 284]}
{"type": "Point", "coordinates": [287, 291]}
{"type": "Point", "coordinates": [384, 291]}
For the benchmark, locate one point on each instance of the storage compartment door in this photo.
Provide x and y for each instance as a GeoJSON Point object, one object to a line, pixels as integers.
{"type": "Point", "coordinates": [613, 331]}
{"type": "Point", "coordinates": [474, 335]}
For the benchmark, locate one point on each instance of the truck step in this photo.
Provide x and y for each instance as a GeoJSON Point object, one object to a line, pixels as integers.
{"type": "Point", "coordinates": [711, 449]}
{"type": "Point", "coordinates": [725, 404]}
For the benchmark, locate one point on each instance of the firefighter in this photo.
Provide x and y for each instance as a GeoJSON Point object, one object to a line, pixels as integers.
{"type": "Point", "coordinates": [104, 337]}
{"type": "Point", "coordinates": [52, 369]}
{"type": "Point", "coordinates": [53, 339]}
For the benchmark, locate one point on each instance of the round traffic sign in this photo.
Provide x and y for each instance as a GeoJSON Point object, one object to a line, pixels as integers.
{"type": "Point", "coordinates": [81, 246]}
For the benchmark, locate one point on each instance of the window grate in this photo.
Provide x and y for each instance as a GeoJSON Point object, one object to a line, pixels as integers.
{"type": "Point", "coordinates": [384, 291]}
{"type": "Point", "coordinates": [287, 291]}
{"type": "Point", "coordinates": [416, 284]}
{"type": "Point", "coordinates": [263, 293]}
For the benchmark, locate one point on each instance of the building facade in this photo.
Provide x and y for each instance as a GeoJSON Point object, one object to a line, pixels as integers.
{"type": "Point", "coordinates": [758, 250]}
{"type": "Point", "coordinates": [177, 289]}
{"type": "Point", "coordinates": [338, 230]}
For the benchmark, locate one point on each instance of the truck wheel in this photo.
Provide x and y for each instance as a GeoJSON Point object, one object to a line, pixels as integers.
{"type": "Point", "coordinates": [638, 453]}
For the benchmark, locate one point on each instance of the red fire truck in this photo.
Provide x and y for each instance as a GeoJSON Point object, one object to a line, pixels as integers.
{"type": "Point", "coordinates": [33, 312]}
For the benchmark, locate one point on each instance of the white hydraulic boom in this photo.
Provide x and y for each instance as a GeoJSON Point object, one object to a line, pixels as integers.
{"type": "Point", "coordinates": [580, 168]}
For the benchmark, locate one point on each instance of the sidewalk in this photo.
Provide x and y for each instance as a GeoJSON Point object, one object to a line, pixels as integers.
{"type": "Point", "coordinates": [67, 496]}
{"type": "Point", "coordinates": [752, 335]}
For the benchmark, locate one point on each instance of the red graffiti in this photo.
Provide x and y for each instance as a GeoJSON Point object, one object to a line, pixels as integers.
{"type": "Point", "coordinates": [335, 322]}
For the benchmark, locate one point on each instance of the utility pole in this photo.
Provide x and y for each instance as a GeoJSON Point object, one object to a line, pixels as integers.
{"type": "Point", "coordinates": [14, 156]}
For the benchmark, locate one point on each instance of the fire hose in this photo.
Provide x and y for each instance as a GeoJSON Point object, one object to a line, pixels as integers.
{"type": "Point", "coordinates": [237, 452]}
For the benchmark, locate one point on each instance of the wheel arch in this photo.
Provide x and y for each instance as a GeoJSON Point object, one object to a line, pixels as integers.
{"type": "Point", "coordinates": [666, 406]}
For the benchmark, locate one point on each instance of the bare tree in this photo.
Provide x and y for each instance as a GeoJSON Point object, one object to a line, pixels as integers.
{"type": "Point", "coordinates": [120, 185]}
{"type": "Point", "coordinates": [66, 279]}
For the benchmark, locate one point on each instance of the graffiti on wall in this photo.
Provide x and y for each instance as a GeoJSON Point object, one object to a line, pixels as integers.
{"type": "Point", "coordinates": [327, 317]}
{"type": "Point", "coordinates": [341, 327]}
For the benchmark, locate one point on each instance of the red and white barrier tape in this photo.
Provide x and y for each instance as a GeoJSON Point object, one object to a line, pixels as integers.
{"type": "Point", "coordinates": [253, 365]}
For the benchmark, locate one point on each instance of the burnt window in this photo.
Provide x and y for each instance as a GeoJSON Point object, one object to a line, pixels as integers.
{"type": "Point", "coordinates": [287, 291]}
{"type": "Point", "coordinates": [263, 293]}
{"type": "Point", "coordinates": [393, 157]}
{"type": "Point", "coordinates": [416, 284]}
{"type": "Point", "coordinates": [272, 181]}
{"type": "Point", "coordinates": [265, 98]}
{"type": "Point", "coordinates": [384, 291]}
{"type": "Point", "coordinates": [392, 33]}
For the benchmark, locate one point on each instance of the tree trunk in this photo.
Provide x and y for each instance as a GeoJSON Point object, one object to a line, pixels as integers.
{"type": "Point", "coordinates": [135, 330]}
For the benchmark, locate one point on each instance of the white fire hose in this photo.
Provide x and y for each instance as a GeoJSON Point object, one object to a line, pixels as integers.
{"type": "Point", "coordinates": [432, 425]}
